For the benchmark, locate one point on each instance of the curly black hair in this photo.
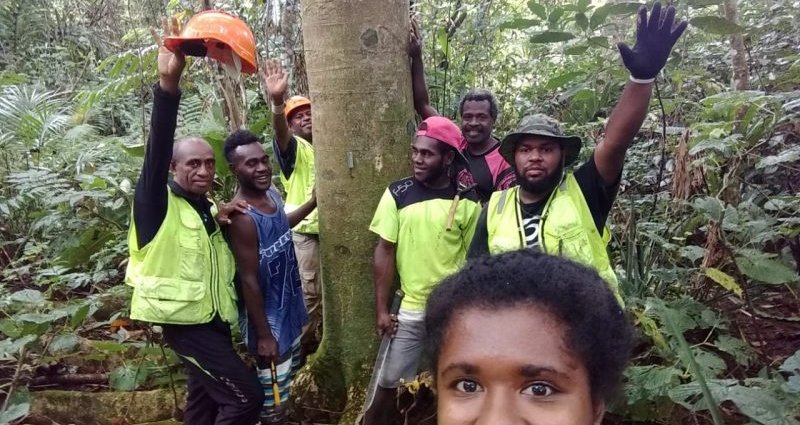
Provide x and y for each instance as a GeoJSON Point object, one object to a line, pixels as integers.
{"type": "Point", "coordinates": [236, 139]}
{"type": "Point", "coordinates": [478, 95]}
{"type": "Point", "coordinates": [598, 332]}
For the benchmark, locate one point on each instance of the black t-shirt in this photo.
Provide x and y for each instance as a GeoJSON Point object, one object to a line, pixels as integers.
{"type": "Point", "coordinates": [599, 198]}
{"type": "Point", "coordinates": [491, 171]}
{"type": "Point", "coordinates": [286, 159]}
{"type": "Point", "coordinates": [150, 196]}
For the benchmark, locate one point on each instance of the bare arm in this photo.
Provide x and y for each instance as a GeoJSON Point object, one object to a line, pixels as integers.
{"type": "Point", "coordinates": [303, 211]}
{"type": "Point", "coordinates": [625, 121]}
{"type": "Point", "coordinates": [418, 86]}
{"type": "Point", "coordinates": [383, 271]}
{"type": "Point", "coordinates": [275, 83]}
{"type": "Point", "coordinates": [244, 244]}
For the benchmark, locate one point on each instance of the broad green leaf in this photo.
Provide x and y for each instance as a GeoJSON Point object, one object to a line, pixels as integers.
{"type": "Point", "coordinates": [520, 24]}
{"type": "Point", "coordinates": [127, 378]}
{"type": "Point", "coordinates": [624, 8]}
{"type": "Point", "coordinates": [63, 344]}
{"type": "Point", "coordinates": [598, 41]}
{"type": "Point", "coordinates": [792, 364]}
{"type": "Point", "coordinates": [40, 318]}
{"type": "Point", "coordinates": [599, 16]}
{"type": "Point", "coordinates": [724, 280]}
{"type": "Point", "coordinates": [711, 207]}
{"type": "Point", "coordinates": [79, 316]}
{"type": "Point", "coordinates": [27, 296]}
{"type": "Point", "coordinates": [582, 21]}
{"type": "Point", "coordinates": [615, 9]}
{"type": "Point", "coordinates": [537, 9]}
{"type": "Point", "coordinates": [766, 270]}
{"type": "Point", "coordinates": [756, 401]}
{"type": "Point", "coordinates": [561, 79]}
{"type": "Point", "coordinates": [552, 37]}
{"type": "Point", "coordinates": [789, 155]}
{"type": "Point", "coordinates": [692, 252]}
{"type": "Point", "coordinates": [18, 406]}
{"type": "Point", "coordinates": [688, 357]}
{"type": "Point", "coordinates": [716, 25]}
{"type": "Point", "coordinates": [91, 241]}
{"type": "Point", "coordinates": [555, 15]}
{"type": "Point", "coordinates": [576, 50]}
{"type": "Point", "coordinates": [737, 348]}
{"type": "Point", "coordinates": [10, 348]}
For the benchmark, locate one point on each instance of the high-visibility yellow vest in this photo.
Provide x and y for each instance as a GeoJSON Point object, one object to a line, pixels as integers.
{"type": "Point", "coordinates": [300, 185]}
{"type": "Point", "coordinates": [566, 228]}
{"type": "Point", "coordinates": [183, 276]}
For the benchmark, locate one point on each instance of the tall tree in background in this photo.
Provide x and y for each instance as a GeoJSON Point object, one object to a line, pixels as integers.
{"type": "Point", "coordinates": [360, 87]}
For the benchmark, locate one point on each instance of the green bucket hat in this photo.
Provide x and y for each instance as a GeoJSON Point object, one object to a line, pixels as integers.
{"type": "Point", "coordinates": [541, 125]}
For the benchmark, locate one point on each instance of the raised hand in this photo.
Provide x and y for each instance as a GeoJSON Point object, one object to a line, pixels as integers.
{"type": "Point", "coordinates": [654, 40]}
{"type": "Point", "coordinates": [275, 81]}
{"type": "Point", "coordinates": [170, 64]}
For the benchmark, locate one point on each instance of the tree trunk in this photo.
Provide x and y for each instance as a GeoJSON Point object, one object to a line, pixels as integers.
{"type": "Point", "coordinates": [360, 87]}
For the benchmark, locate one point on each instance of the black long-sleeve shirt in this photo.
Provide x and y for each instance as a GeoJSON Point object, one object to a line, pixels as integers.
{"type": "Point", "coordinates": [150, 197]}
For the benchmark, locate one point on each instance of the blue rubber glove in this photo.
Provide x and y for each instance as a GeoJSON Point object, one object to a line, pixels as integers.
{"type": "Point", "coordinates": [654, 40]}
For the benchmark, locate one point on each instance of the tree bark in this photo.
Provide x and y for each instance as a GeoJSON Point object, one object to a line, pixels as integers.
{"type": "Point", "coordinates": [360, 87]}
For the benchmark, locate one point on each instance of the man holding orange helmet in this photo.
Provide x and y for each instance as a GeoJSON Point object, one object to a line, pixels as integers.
{"type": "Point", "coordinates": [291, 121]}
{"type": "Point", "coordinates": [180, 266]}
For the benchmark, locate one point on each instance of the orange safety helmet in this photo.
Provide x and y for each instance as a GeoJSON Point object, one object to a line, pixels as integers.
{"type": "Point", "coordinates": [211, 33]}
{"type": "Point", "coordinates": [293, 103]}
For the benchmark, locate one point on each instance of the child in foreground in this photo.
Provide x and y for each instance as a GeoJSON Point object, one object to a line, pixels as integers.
{"type": "Point", "coordinates": [525, 338]}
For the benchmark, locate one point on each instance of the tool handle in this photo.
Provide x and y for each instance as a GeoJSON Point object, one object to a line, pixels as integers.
{"type": "Point", "coordinates": [398, 298]}
{"type": "Point", "coordinates": [276, 390]}
{"type": "Point", "coordinates": [451, 215]}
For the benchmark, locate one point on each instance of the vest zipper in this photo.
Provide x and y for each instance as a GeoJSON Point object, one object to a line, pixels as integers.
{"type": "Point", "coordinates": [214, 281]}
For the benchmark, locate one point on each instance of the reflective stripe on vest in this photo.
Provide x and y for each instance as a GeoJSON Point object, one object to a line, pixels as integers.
{"type": "Point", "coordinates": [300, 185]}
{"type": "Point", "coordinates": [184, 275]}
{"type": "Point", "coordinates": [566, 228]}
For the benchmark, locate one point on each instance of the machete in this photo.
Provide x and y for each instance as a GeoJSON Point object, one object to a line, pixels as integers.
{"type": "Point", "coordinates": [383, 352]}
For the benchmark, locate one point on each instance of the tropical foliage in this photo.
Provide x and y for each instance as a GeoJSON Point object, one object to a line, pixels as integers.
{"type": "Point", "coordinates": [706, 235]}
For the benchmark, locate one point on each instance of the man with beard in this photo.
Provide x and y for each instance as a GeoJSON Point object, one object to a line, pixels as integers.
{"type": "Point", "coordinates": [561, 212]}
{"type": "Point", "coordinates": [478, 111]}
{"type": "Point", "coordinates": [291, 121]}
{"type": "Point", "coordinates": [273, 312]}
{"type": "Point", "coordinates": [425, 224]}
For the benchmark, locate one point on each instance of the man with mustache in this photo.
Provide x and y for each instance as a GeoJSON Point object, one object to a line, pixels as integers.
{"type": "Point", "coordinates": [562, 212]}
{"type": "Point", "coordinates": [478, 111]}
{"type": "Point", "coordinates": [180, 266]}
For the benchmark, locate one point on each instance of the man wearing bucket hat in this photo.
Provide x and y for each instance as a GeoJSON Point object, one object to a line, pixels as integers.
{"type": "Point", "coordinates": [180, 266]}
{"type": "Point", "coordinates": [562, 212]}
{"type": "Point", "coordinates": [424, 223]}
{"type": "Point", "coordinates": [291, 121]}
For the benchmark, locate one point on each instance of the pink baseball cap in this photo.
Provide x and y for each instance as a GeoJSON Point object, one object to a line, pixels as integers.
{"type": "Point", "coordinates": [441, 129]}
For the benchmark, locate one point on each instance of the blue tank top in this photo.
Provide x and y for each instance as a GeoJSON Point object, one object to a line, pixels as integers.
{"type": "Point", "coordinates": [278, 279]}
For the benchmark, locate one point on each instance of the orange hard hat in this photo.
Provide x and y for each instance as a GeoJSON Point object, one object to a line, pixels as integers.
{"type": "Point", "coordinates": [212, 33]}
{"type": "Point", "coordinates": [293, 103]}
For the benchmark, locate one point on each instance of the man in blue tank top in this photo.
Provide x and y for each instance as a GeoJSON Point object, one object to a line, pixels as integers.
{"type": "Point", "coordinates": [273, 311]}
